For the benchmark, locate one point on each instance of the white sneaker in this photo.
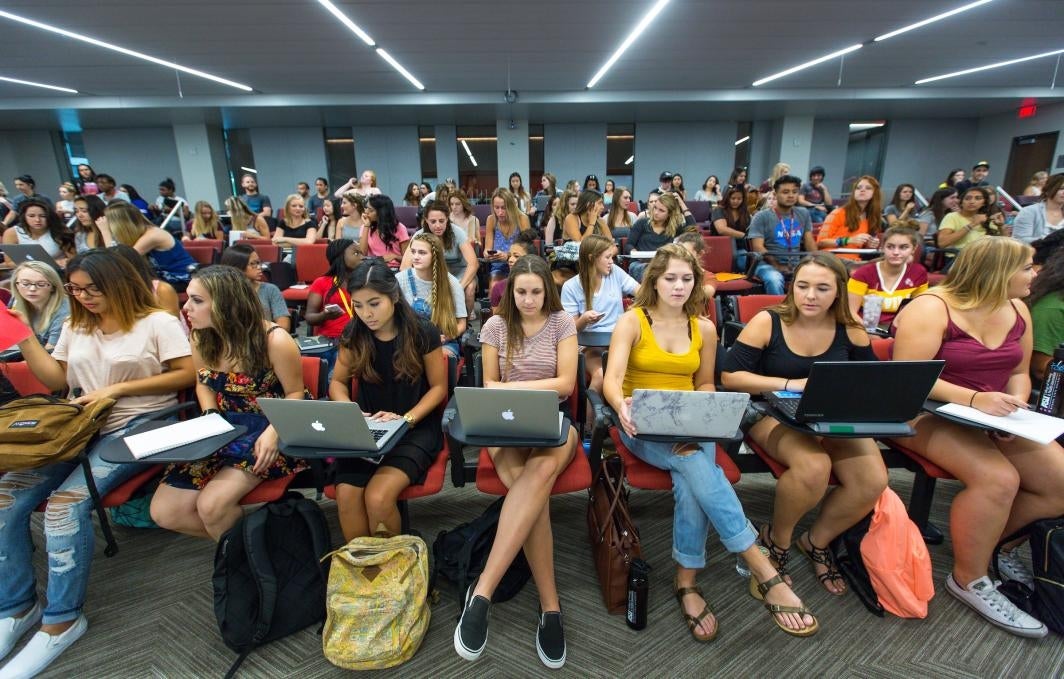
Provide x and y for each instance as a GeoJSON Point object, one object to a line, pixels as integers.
{"type": "Point", "coordinates": [982, 597]}
{"type": "Point", "coordinates": [42, 649]}
{"type": "Point", "coordinates": [1013, 568]}
{"type": "Point", "coordinates": [13, 629]}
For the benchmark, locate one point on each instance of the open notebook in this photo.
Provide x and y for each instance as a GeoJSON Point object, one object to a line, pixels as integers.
{"type": "Point", "coordinates": [176, 435]}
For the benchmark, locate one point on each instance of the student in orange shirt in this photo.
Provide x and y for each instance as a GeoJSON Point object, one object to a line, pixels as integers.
{"type": "Point", "coordinates": [857, 224]}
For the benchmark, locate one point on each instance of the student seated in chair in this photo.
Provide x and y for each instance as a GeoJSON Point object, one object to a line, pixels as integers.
{"type": "Point", "coordinates": [1009, 481]}
{"type": "Point", "coordinates": [775, 351]}
{"type": "Point", "coordinates": [123, 223]}
{"type": "Point", "coordinates": [117, 345]}
{"type": "Point", "coordinates": [239, 358]}
{"type": "Point", "coordinates": [531, 344]}
{"type": "Point", "coordinates": [664, 343]}
{"type": "Point", "coordinates": [398, 363]}
{"type": "Point", "coordinates": [783, 229]}
{"type": "Point", "coordinates": [432, 292]}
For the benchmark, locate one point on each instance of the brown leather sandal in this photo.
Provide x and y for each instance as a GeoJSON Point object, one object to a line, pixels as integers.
{"type": "Point", "coordinates": [693, 622]}
{"type": "Point", "coordinates": [822, 557]}
{"type": "Point", "coordinates": [759, 589]}
{"type": "Point", "coordinates": [779, 556]}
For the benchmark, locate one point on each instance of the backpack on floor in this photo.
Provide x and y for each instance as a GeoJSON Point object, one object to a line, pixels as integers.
{"type": "Point", "coordinates": [269, 581]}
{"type": "Point", "coordinates": [846, 549]}
{"type": "Point", "coordinates": [1046, 601]}
{"type": "Point", "coordinates": [896, 558]}
{"type": "Point", "coordinates": [377, 602]}
{"type": "Point", "coordinates": [460, 555]}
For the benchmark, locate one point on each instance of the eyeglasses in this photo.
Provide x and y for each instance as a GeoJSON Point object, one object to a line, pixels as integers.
{"type": "Point", "coordinates": [88, 291]}
{"type": "Point", "coordinates": [31, 285]}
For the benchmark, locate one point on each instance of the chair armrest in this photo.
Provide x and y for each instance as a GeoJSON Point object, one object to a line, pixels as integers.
{"type": "Point", "coordinates": [729, 332]}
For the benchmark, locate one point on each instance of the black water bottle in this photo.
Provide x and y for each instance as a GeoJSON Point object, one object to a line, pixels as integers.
{"type": "Point", "coordinates": [1052, 384]}
{"type": "Point", "coordinates": [638, 590]}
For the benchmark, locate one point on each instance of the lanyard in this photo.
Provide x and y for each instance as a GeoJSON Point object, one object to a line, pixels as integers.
{"type": "Point", "coordinates": [792, 226]}
{"type": "Point", "coordinates": [343, 298]}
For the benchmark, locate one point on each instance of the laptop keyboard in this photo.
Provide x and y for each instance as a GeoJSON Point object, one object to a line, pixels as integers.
{"type": "Point", "coordinates": [378, 434]}
{"type": "Point", "coordinates": [788, 406]}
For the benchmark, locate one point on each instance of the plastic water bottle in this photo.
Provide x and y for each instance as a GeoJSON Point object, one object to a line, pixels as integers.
{"type": "Point", "coordinates": [871, 310]}
{"type": "Point", "coordinates": [638, 593]}
{"type": "Point", "coordinates": [1052, 382]}
{"type": "Point", "coordinates": [741, 568]}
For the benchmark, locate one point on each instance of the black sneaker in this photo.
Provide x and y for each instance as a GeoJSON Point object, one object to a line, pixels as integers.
{"type": "Point", "coordinates": [471, 634]}
{"type": "Point", "coordinates": [550, 639]}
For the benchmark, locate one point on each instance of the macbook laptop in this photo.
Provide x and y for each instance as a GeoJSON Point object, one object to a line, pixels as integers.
{"type": "Point", "coordinates": [698, 414]}
{"type": "Point", "coordinates": [28, 253]}
{"type": "Point", "coordinates": [329, 425]}
{"type": "Point", "coordinates": [855, 397]}
{"type": "Point", "coordinates": [509, 413]}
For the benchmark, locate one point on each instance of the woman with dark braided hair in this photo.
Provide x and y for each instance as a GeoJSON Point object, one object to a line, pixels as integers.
{"type": "Point", "coordinates": [328, 304]}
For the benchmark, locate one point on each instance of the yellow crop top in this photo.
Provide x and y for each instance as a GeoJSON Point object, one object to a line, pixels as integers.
{"type": "Point", "coordinates": [651, 367]}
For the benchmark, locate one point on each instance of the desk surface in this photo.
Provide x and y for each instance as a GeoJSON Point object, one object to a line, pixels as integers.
{"type": "Point", "coordinates": [768, 410]}
{"type": "Point", "coordinates": [117, 452]}
{"type": "Point", "coordinates": [456, 431]}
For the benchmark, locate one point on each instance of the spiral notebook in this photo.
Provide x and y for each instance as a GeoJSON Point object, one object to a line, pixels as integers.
{"type": "Point", "coordinates": [176, 435]}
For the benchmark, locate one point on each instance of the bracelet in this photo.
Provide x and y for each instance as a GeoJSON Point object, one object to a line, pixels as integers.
{"type": "Point", "coordinates": [838, 242]}
{"type": "Point", "coordinates": [971, 401]}
{"type": "Point", "coordinates": [785, 383]}
{"type": "Point", "coordinates": [846, 240]}
{"type": "Point", "coordinates": [211, 411]}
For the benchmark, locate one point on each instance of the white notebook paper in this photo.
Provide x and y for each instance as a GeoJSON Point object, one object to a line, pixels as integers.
{"type": "Point", "coordinates": [176, 435]}
{"type": "Point", "coordinates": [1023, 423]}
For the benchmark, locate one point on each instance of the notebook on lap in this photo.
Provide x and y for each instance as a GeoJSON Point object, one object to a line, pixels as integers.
{"type": "Point", "coordinates": [856, 397]}
{"type": "Point", "coordinates": [509, 413]}
{"type": "Point", "coordinates": [697, 414]}
{"type": "Point", "coordinates": [327, 426]}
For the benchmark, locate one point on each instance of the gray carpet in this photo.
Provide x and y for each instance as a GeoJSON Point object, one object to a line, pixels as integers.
{"type": "Point", "coordinates": [150, 613]}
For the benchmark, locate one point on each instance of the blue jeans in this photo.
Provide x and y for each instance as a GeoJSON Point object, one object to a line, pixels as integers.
{"type": "Point", "coordinates": [68, 532]}
{"type": "Point", "coordinates": [771, 278]}
{"type": "Point", "coordinates": [702, 494]}
{"type": "Point", "coordinates": [637, 269]}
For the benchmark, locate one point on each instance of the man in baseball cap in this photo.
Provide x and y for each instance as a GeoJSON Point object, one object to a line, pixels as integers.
{"type": "Point", "coordinates": [978, 177]}
{"type": "Point", "coordinates": [665, 181]}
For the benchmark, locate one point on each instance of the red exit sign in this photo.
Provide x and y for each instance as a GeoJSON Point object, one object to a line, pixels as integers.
{"type": "Point", "coordinates": [1028, 111]}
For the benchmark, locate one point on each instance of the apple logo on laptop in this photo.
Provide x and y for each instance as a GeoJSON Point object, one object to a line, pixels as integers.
{"type": "Point", "coordinates": [317, 426]}
{"type": "Point", "coordinates": [508, 415]}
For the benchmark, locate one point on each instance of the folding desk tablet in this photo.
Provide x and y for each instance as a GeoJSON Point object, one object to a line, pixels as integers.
{"type": "Point", "coordinates": [117, 452]}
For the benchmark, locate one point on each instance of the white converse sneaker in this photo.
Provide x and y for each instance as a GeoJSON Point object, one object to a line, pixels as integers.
{"type": "Point", "coordinates": [982, 597]}
{"type": "Point", "coordinates": [1013, 568]}
{"type": "Point", "coordinates": [13, 629]}
{"type": "Point", "coordinates": [41, 650]}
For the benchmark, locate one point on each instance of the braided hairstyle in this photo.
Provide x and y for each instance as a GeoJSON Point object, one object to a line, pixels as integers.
{"type": "Point", "coordinates": [441, 301]}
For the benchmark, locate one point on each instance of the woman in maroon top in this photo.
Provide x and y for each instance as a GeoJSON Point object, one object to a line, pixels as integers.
{"type": "Point", "coordinates": [973, 322]}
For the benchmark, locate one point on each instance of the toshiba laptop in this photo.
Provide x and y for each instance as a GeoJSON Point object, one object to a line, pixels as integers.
{"type": "Point", "coordinates": [327, 425]}
{"type": "Point", "coordinates": [855, 397]}
{"type": "Point", "coordinates": [698, 414]}
{"type": "Point", "coordinates": [28, 253]}
{"type": "Point", "coordinates": [509, 413]}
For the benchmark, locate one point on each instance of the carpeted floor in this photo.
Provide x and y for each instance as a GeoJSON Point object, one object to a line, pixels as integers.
{"type": "Point", "coordinates": [150, 613]}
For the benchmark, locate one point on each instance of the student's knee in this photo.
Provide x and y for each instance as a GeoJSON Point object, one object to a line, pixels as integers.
{"type": "Point", "coordinates": [812, 471]}
{"type": "Point", "coordinates": [997, 483]}
{"type": "Point", "coordinates": [379, 501]}
{"type": "Point", "coordinates": [162, 513]}
{"type": "Point", "coordinates": [543, 468]}
{"type": "Point", "coordinates": [212, 508]}
{"type": "Point", "coordinates": [63, 515]}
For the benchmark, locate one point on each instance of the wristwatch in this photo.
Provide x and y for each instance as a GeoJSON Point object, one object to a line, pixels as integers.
{"type": "Point", "coordinates": [409, 419]}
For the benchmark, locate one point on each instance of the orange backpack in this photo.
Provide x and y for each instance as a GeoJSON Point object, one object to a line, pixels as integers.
{"type": "Point", "coordinates": [897, 560]}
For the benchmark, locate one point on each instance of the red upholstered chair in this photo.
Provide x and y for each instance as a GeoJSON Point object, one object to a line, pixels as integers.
{"type": "Point", "coordinates": [267, 251]}
{"type": "Point", "coordinates": [407, 216]}
{"type": "Point", "coordinates": [204, 251]}
{"type": "Point", "coordinates": [718, 258]}
{"type": "Point", "coordinates": [22, 379]}
{"type": "Point", "coordinates": [311, 264]}
{"type": "Point", "coordinates": [315, 379]}
{"type": "Point", "coordinates": [646, 476]}
{"type": "Point", "coordinates": [747, 306]}
{"type": "Point", "coordinates": [883, 347]}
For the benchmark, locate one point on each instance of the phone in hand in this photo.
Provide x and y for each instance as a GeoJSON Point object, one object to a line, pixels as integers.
{"type": "Point", "coordinates": [491, 253]}
{"type": "Point", "coordinates": [333, 308]}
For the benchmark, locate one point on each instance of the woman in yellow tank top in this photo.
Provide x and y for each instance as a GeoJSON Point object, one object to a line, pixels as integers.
{"type": "Point", "coordinates": [664, 343]}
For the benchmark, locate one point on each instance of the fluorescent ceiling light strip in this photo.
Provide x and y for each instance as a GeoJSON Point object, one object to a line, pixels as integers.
{"type": "Point", "coordinates": [399, 67]}
{"type": "Point", "coordinates": [931, 20]}
{"type": "Point", "coordinates": [472, 160]}
{"type": "Point", "coordinates": [351, 25]}
{"type": "Point", "coordinates": [988, 67]}
{"type": "Point", "coordinates": [249, 169]}
{"type": "Point", "coordinates": [33, 84]}
{"type": "Point", "coordinates": [743, 140]}
{"type": "Point", "coordinates": [466, 147]}
{"type": "Point", "coordinates": [629, 161]}
{"type": "Point", "coordinates": [121, 50]}
{"type": "Point", "coordinates": [802, 67]}
{"type": "Point", "coordinates": [860, 127]}
{"type": "Point", "coordinates": [640, 27]}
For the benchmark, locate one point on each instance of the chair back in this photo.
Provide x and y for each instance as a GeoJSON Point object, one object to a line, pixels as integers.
{"type": "Point", "coordinates": [700, 210]}
{"type": "Point", "coordinates": [205, 255]}
{"type": "Point", "coordinates": [315, 375]}
{"type": "Point", "coordinates": [268, 252]}
{"type": "Point", "coordinates": [482, 211]}
{"type": "Point", "coordinates": [747, 306]}
{"type": "Point", "coordinates": [718, 255]}
{"type": "Point", "coordinates": [407, 216]}
{"type": "Point", "coordinates": [883, 347]}
{"type": "Point", "coordinates": [311, 262]}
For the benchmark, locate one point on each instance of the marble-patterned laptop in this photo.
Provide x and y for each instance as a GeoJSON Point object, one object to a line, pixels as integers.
{"type": "Point", "coordinates": [703, 414]}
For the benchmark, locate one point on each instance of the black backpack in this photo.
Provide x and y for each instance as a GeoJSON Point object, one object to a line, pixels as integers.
{"type": "Point", "coordinates": [268, 580]}
{"type": "Point", "coordinates": [846, 549]}
{"type": "Point", "coordinates": [1046, 601]}
{"type": "Point", "coordinates": [460, 555]}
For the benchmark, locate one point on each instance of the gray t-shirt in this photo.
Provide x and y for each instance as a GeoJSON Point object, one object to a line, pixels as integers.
{"type": "Point", "coordinates": [456, 263]}
{"type": "Point", "coordinates": [273, 306]}
{"type": "Point", "coordinates": [781, 234]}
{"type": "Point", "coordinates": [422, 290]}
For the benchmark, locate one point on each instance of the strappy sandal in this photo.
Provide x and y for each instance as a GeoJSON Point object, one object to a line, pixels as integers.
{"type": "Point", "coordinates": [693, 622]}
{"type": "Point", "coordinates": [778, 555]}
{"type": "Point", "coordinates": [822, 557]}
{"type": "Point", "coordinates": [759, 589]}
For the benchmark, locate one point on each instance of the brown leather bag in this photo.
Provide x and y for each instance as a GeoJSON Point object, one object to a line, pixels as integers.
{"type": "Point", "coordinates": [614, 538]}
{"type": "Point", "coordinates": [39, 430]}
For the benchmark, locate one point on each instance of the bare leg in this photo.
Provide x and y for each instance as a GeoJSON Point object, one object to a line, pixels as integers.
{"type": "Point", "coordinates": [218, 504]}
{"type": "Point", "coordinates": [382, 496]}
{"type": "Point", "coordinates": [351, 509]}
{"type": "Point", "coordinates": [175, 509]}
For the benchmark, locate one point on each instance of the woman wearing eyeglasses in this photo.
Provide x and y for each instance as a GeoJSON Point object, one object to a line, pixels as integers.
{"type": "Point", "coordinates": [117, 345]}
{"type": "Point", "coordinates": [37, 293]}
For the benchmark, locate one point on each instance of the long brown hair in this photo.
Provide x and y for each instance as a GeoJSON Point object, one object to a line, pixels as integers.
{"type": "Point", "coordinates": [872, 211]}
{"type": "Point", "coordinates": [591, 248]}
{"type": "Point", "coordinates": [441, 301]}
{"type": "Point", "coordinates": [513, 212]}
{"type": "Point", "coordinates": [237, 331]}
{"type": "Point", "coordinates": [787, 310]}
{"type": "Point", "coordinates": [674, 220]}
{"type": "Point", "coordinates": [129, 299]}
{"type": "Point", "coordinates": [617, 212]}
{"type": "Point", "coordinates": [357, 338]}
{"type": "Point", "coordinates": [202, 227]}
{"type": "Point", "coordinates": [552, 303]}
{"type": "Point", "coordinates": [647, 294]}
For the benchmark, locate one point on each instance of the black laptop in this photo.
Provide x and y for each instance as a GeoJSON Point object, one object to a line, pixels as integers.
{"type": "Point", "coordinates": [859, 397]}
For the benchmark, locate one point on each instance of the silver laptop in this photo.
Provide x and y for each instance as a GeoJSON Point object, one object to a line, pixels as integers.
{"type": "Point", "coordinates": [28, 253]}
{"type": "Point", "coordinates": [701, 414]}
{"type": "Point", "coordinates": [509, 413]}
{"type": "Point", "coordinates": [327, 424]}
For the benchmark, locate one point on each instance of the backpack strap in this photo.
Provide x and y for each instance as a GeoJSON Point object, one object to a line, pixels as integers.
{"type": "Point", "coordinates": [319, 533]}
{"type": "Point", "coordinates": [262, 569]}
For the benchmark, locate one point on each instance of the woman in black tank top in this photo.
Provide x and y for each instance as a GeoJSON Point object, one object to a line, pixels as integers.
{"type": "Point", "coordinates": [775, 352]}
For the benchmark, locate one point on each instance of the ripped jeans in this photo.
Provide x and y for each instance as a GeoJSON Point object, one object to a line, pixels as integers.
{"type": "Point", "coordinates": [68, 530]}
